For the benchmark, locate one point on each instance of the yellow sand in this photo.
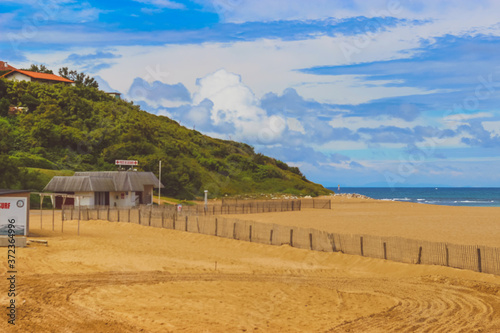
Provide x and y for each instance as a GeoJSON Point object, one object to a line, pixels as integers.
{"type": "Point", "coordinates": [119, 277]}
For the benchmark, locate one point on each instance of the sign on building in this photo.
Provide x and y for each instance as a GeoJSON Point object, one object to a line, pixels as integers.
{"type": "Point", "coordinates": [126, 162]}
{"type": "Point", "coordinates": [13, 215]}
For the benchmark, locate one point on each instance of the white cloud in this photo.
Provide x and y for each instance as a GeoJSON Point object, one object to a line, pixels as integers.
{"type": "Point", "coordinates": [464, 116]}
{"type": "Point", "coordinates": [266, 65]}
{"type": "Point", "coordinates": [492, 126]}
{"type": "Point", "coordinates": [355, 123]}
{"type": "Point", "coordinates": [295, 125]}
{"type": "Point", "coordinates": [234, 103]}
{"type": "Point", "coordinates": [162, 3]}
{"type": "Point", "coordinates": [264, 10]}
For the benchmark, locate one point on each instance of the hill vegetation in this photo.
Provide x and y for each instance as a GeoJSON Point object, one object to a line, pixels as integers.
{"type": "Point", "coordinates": [81, 128]}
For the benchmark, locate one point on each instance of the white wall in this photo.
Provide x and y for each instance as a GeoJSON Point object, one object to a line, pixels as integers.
{"type": "Point", "coordinates": [19, 77]}
{"type": "Point", "coordinates": [86, 200]}
{"type": "Point", "coordinates": [128, 199]}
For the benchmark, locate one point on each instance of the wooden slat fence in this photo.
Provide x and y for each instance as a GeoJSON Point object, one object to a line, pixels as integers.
{"type": "Point", "coordinates": [471, 257]}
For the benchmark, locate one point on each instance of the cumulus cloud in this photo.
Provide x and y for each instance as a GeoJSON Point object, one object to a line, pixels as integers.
{"type": "Point", "coordinates": [158, 93]}
{"type": "Point", "coordinates": [103, 84]}
{"type": "Point", "coordinates": [233, 102]}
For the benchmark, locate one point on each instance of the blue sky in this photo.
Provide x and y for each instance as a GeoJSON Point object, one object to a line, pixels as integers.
{"type": "Point", "coordinates": [356, 93]}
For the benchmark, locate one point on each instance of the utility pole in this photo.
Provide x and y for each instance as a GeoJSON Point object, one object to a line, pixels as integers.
{"type": "Point", "coordinates": [206, 200]}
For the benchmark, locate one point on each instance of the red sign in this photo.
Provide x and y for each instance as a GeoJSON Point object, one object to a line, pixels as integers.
{"type": "Point", "coordinates": [4, 205]}
{"type": "Point", "coordinates": [126, 162]}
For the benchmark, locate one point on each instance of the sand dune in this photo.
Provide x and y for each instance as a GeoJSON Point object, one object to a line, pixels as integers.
{"type": "Point", "coordinates": [119, 277]}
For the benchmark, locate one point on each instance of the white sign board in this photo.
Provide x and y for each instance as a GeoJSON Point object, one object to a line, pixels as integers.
{"type": "Point", "coordinates": [13, 211]}
{"type": "Point", "coordinates": [126, 162]}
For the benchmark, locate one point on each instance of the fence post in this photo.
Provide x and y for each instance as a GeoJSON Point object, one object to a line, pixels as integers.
{"type": "Point", "coordinates": [250, 234]}
{"type": "Point", "coordinates": [108, 215]}
{"type": "Point", "coordinates": [480, 269]}
{"type": "Point", "coordinates": [53, 212]}
{"type": "Point", "coordinates": [361, 245]}
{"type": "Point", "coordinates": [447, 256]}
{"type": "Point", "coordinates": [187, 222]}
{"type": "Point", "coordinates": [385, 250]}
{"type": "Point", "coordinates": [271, 237]}
{"type": "Point", "coordinates": [419, 256]}
{"type": "Point", "coordinates": [173, 221]}
{"type": "Point", "coordinates": [234, 230]}
{"type": "Point", "coordinates": [163, 218]}
{"type": "Point", "coordinates": [311, 240]}
{"type": "Point", "coordinates": [150, 213]}
{"type": "Point", "coordinates": [129, 215]}
{"type": "Point", "coordinates": [291, 237]}
{"type": "Point", "coordinates": [216, 226]}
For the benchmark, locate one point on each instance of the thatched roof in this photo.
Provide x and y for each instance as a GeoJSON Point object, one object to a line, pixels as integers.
{"type": "Point", "coordinates": [105, 181]}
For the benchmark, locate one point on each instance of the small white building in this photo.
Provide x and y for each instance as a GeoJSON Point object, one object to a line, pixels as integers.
{"type": "Point", "coordinates": [106, 188]}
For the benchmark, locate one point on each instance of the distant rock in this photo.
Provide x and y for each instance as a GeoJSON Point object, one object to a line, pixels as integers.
{"type": "Point", "coordinates": [352, 195]}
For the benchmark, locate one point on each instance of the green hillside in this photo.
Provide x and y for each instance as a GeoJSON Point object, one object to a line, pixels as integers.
{"type": "Point", "coordinates": [81, 129]}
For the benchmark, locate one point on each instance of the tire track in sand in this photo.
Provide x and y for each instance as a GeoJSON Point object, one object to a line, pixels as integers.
{"type": "Point", "coordinates": [427, 304]}
{"type": "Point", "coordinates": [434, 305]}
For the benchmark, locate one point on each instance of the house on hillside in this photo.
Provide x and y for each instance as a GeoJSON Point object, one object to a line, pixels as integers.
{"type": "Point", "coordinates": [116, 95]}
{"type": "Point", "coordinates": [105, 188]}
{"type": "Point", "coordinates": [20, 75]}
{"type": "Point", "coordinates": [16, 110]}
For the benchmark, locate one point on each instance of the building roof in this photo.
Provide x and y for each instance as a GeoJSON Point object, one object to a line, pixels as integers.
{"type": "Point", "coordinates": [103, 181]}
{"type": "Point", "coordinates": [6, 192]}
{"type": "Point", "coordinates": [5, 66]}
{"type": "Point", "coordinates": [39, 76]}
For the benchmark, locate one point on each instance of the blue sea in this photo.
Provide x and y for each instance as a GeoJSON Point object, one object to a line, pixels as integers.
{"type": "Point", "coordinates": [448, 196]}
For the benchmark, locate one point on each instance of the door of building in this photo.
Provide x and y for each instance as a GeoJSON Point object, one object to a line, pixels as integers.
{"type": "Point", "coordinates": [101, 198]}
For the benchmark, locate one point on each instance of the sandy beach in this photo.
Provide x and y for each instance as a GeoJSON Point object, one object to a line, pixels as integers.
{"type": "Point", "coordinates": [119, 277]}
{"type": "Point", "coordinates": [459, 225]}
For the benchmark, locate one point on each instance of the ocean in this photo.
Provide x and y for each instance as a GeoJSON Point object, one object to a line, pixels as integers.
{"type": "Point", "coordinates": [448, 196]}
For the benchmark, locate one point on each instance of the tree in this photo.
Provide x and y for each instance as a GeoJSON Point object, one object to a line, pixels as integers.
{"type": "Point", "coordinates": [30, 101]}
{"type": "Point", "coordinates": [9, 171]}
{"type": "Point", "coordinates": [4, 107]}
{"type": "Point", "coordinates": [79, 78]}
{"type": "Point", "coordinates": [38, 69]}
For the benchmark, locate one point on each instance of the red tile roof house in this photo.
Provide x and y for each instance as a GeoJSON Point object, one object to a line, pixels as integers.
{"type": "Point", "coordinates": [20, 75]}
